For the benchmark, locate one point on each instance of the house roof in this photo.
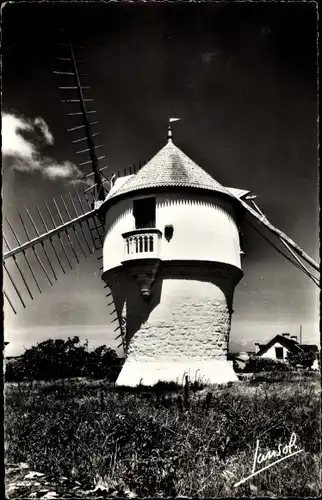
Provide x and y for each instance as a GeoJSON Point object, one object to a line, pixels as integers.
{"type": "Point", "coordinates": [171, 167]}
{"type": "Point", "coordinates": [289, 344]}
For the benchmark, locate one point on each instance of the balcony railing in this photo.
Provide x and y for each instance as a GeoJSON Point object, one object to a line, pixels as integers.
{"type": "Point", "coordinates": [142, 243]}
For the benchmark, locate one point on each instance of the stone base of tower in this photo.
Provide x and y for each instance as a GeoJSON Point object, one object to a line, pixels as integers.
{"type": "Point", "coordinates": [149, 373]}
{"type": "Point", "coordinates": [183, 329]}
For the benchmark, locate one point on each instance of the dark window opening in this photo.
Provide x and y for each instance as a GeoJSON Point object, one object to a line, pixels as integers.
{"type": "Point", "coordinates": [279, 352]}
{"type": "Point", "coordinates": [144, 213]}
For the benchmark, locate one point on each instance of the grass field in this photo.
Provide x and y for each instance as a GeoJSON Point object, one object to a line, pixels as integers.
{"type": "Point", "coordinates": [169, 443]}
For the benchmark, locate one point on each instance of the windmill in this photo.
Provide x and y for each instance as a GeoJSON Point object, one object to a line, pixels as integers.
{"type": "Point", "coordinates": [89, 221]}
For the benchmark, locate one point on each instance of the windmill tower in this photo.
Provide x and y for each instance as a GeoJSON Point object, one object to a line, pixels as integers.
{"type": "Point", "coordinates": [171, 253]}
{"type": "Point", "coordinates": [171, 257]}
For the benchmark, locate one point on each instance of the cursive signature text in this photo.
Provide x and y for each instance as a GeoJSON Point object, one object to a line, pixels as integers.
{"type": "Point", "coordinates": [281, 453]}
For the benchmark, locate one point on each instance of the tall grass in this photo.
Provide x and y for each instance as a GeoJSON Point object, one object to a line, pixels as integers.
{"type": "Point", "coordinates": [168, 441]}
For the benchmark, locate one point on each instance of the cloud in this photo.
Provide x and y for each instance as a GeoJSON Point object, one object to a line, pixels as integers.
{"type": "Point", "coordinates": [64, 170]}
{"type": "Point", "coordinates": [40, 122]}
{"type": "Point", "coordinates": [24, 153]}
{"type": "Point", "coordinates": [13, 144]}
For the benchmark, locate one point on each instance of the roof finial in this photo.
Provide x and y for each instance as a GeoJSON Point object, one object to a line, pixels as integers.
{"type": "Point", "coordinates": [169, 133]}
{"type": "Point", "coordinates": [169, 128]}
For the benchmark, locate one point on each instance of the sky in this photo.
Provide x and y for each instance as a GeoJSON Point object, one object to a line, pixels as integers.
{"type": "Point", "coordinates": [243, 79]}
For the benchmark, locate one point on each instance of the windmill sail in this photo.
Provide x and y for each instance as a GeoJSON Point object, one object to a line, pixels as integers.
{"type": "Point", "coordinates": [295, 250]}
{"type": "Point", "coordinates": [290, 244]}
{"type": "Point", "coordinates": [46, 242]}
{"type": "Point", "coordinates": [75, 93]}
{"type": "Point", "coordinates": [41, 244]}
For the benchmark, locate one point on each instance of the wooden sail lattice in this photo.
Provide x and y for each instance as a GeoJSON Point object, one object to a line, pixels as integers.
{"type": "Point", "coordinates": [296, 254]}
{"type": "Point", "coordinates": [79, 103]}
{"type": "Point", "coordinates": [66, 230]}
{"type": "Point", "coordinates": [46, 242]}
{"type": "Point", "coordinates": [70, 83]}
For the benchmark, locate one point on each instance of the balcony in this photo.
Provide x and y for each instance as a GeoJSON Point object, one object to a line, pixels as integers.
{"type": "Point", "coordinates": [142, 244]}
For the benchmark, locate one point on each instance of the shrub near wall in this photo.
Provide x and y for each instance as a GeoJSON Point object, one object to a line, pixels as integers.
{"type": "Point", "coordinates": [63, 359]}
{"type": "Point", "coordinates": [257, 364]}
{"type": "Point", "coordinates": [302, 359]}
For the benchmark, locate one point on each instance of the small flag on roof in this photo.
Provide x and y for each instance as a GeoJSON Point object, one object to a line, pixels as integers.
{"type": "Point", "coordinates": [169, 128]}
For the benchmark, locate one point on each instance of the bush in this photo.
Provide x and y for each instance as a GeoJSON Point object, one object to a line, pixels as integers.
{"type": "Point", "coordinates": [62, 359]}
{"type": "Point", "coordinates": [257, 364]}
{"type": "Point", "coordinates": [14, 370]}
{"type": "Point", "coordinates": [103, 362]}
{"type": "Point", "coordinates": [304, 359]}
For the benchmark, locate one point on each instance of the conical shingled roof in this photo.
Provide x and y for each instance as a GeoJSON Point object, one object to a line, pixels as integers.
{"type": "Point", "coordinates": [170, 167]}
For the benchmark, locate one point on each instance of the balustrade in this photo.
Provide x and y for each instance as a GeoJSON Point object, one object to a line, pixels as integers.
{"type": "Point", "coordinates": [142, 243]}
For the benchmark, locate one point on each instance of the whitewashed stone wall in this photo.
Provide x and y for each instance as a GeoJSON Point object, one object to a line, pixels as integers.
{"type": "Point", "coordinates": [185, 325]}
{"type": "Point", "coordinates": [204, 228]}
{"type": "Point", "coordinates": [192, 321]}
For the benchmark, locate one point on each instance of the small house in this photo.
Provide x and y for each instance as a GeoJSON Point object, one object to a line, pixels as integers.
{"type": "Point", "coordinates": [280, 345]}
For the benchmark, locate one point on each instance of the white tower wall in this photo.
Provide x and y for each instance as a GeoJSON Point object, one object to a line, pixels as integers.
{"type": "Point", "coordinates": [204, 228]}
{"type": "Point", "coordinates": [184, 326]}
